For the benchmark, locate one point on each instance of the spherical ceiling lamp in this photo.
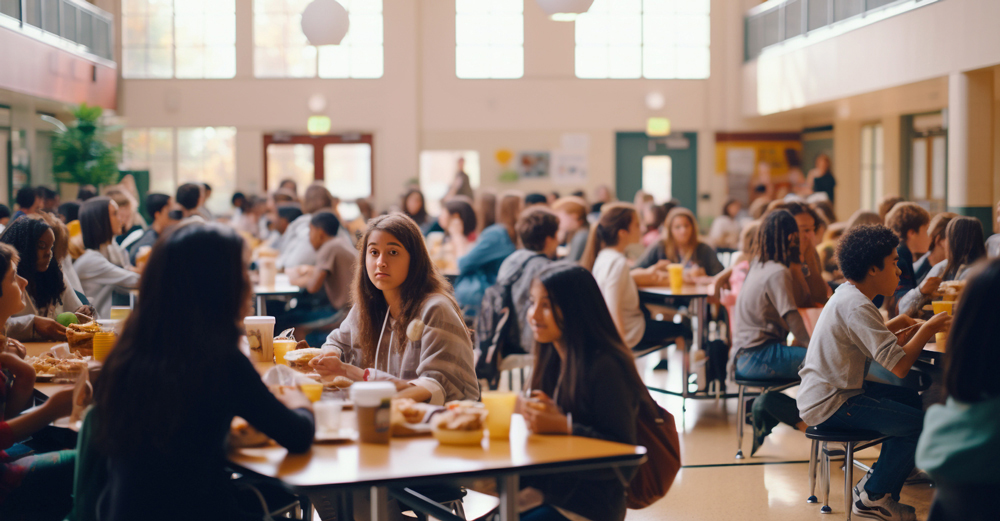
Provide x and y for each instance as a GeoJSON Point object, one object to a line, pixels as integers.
{"type": "Point", "coordinates": [564, 10]}
{"type": "Point", "coordinates": [325, 22]}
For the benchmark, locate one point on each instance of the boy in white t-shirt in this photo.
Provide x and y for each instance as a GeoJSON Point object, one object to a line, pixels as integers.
{"type": "Point", "coordinates": [849, 335]}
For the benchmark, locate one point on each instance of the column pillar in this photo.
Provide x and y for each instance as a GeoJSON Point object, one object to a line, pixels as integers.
{"type": "Point", "coordinates": [970, 146]}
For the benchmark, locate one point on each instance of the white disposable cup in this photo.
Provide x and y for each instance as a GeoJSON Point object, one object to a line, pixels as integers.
{"type": "Point", "coordinates": [260, 335]}
{"type": "Point", "coordinates": [327, 415]}
{"type": "Point", "coordinates": [268, 268]}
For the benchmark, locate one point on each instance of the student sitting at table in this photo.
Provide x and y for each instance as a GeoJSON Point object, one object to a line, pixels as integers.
{"type": "Point", "coordinates": [282, 218]}
{"type": "Point", "coordinates": [159, 207]}
{"type": "Point", "coordinates": [103, 267]}
{"type": "Point", "coordinates": [576, 347]}
{"type": "Point", "coordinates": [573, 226]}
{"type": "Point", "coordinates": [617, 229]}
{"type": "Point", "coordinates": [849, 336]}
{"type": "Point", "coordinates": [153, 447]}
{"type": "Point", "coordinates": [404, 326]}
{"type": "Point", "coordinates": [36, 486]}
{"type": "Point", "coordinates": [937, 230]}
{"type": "Point", "coordinates": [479, 264]}
{"type": "Point", "coordinates": [47, 293]}
{"type": "Point", "coordinates": [766, 310]}
{"type": "Point", "coordinates": [297, 250]}
{"type": "Point", "coordinates": [807, 220]}
{"type": "Point", "coordinates": [332, 274]}
{"type": "Point", "coordinates": [909, 221]}
{"type": "Point", "coordinates": [682, 246]}
{"type": "Point", "coordinates": [966, 245]}
{"type": "Point", "coordinates": [414, 206]}
{"type": "Point", "coordinates": [960, 443]}
{"type": "Point", "coordinates": [537, 230]}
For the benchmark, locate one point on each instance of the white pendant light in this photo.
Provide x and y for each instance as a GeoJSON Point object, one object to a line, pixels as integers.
{"type": "Point", "coordinates": [325, 22]}
{"type": "Point", "coordinates": [564, 10]}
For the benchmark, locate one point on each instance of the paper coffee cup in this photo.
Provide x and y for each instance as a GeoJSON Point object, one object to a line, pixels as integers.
{"type": "Point", "coordinates": [373, 401]}
{"type": "Point", "coordinates": [260, 335]}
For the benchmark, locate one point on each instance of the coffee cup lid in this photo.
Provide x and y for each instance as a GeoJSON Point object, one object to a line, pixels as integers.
{"type": "Point", "coordinates": [371, 394]}
{"type": "Point", "coordinates": [258, 320]}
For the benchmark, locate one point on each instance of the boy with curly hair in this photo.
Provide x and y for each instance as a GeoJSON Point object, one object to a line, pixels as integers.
{"type": "Point", "coordinates": [849, 335]}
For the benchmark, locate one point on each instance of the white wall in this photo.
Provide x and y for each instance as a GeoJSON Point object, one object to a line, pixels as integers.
{"type": "Point", "coordinates": [420, 105]}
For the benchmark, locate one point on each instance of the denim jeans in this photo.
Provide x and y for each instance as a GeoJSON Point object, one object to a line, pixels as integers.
{"type": "Point", "coordinates": [893, 411]}
{"type": "Point", "coordinates": [770, 361]}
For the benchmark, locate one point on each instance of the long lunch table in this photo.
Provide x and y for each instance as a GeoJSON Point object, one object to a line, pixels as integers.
{"type": "Point", "coordinates": [341, 469]}
{"type": "Point", "coordinates": [282, 288]}
{"type": "Point", "coordinates": [695, 297]}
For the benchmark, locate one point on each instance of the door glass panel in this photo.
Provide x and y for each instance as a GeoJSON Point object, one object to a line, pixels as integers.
{"type": "Point", "coordinates": [656, 177]}
{"type": "Point", "coordinates": [437, 172]}
{"type": "Point", "coordinates": [919, 179]}
{"type": "Point", "coordinates": [290, 161]}
{"type": "Point", "coordinates": [938, 178]}
{"type": "Point", "coordinates": [347, 173]}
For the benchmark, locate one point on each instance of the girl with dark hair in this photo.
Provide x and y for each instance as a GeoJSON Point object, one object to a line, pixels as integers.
{"type": "Point", "coordinates": [479, 265]}
{"type": "Point", "coordinates": [415, 207]}
{"type": "Point", "coordinates": [36, 486]}
{"type": "Point", "coordinates": [681, 245]}
{"type": "Point", "coordinates": [576, 345]}
{"type": "Point", "coordinates": [103, 267]}
{"type": "Point", "coordinates": [153, 447]}
{"type": "Point", "coordinates": [766, 310]}
{"type": "Point", "coordinates": [938, 250]}
{"type": "Point", "coordinates": [47, 293]}
{"type": "Point", "coordinates": [961, 438]}
{"type": "Point", "coordinates": [458, 220]}
{"type": "Point", "coordinates": [396, 287]}
{"type": "Point", "coordinates": [966, 245]}
{"type": "Point", "coordinates": [69, 211]}
{"type": "Point", "coordinates": [617, 229]}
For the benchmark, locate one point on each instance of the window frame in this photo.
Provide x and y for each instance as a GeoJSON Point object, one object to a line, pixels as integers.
{"type": "Point", "coordinates": [173, 46]}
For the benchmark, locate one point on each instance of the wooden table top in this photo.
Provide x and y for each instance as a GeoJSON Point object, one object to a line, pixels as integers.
{"type": "Point", "coordinates": [407, 459]}
{"type": "Point", "coordinates": [688, 290]}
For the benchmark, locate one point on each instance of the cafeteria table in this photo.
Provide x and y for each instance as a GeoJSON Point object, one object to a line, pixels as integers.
{"type": "Point", "coordinates": [340, 469]}
{"type": "Point", "coordinates": [282, 288]}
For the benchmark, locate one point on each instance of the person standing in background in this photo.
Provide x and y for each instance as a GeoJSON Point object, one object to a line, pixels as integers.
{"type": "Point", "coordinates": [821, 177]}
{"type": "Point", "coordinates": [460, 185]}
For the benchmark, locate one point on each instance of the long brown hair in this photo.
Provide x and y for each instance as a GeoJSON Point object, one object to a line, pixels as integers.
{"type": "Point", "coordinates": [971, 356]}
{"type": "Point", "coordinates": [588, 332]}
{"type": "Point", "coordinates": [422, 280]}
{"type": "Point", "coordinates": [966, 244]}
{"type": "Point", "coordinates": [614, 218]}
{"type": "Point", "coordinates": [486, 208]}
{"type": "Point", "coordinates": [669, 243]}
{"type": "Point", "coordinates": [508, 211]}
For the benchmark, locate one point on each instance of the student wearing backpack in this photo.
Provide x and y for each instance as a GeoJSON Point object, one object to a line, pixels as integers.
{"type": "Point", "coordinates": [586, 384]}
{"type": "Point", "coordinates": [537, 229]}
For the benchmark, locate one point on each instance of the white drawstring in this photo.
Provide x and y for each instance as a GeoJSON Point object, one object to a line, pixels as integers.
{"type": "Point", "coordinates": [379, 345]}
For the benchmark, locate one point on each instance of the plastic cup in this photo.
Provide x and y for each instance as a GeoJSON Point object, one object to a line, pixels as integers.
{"type": "Point", "coordinates": [312, 390]}
{"type": "Point", "coordinates": [327, 415]}
{"type": "Point", "coordinates": [260, 335]}
{"type": "Point", "coordinates": [941, 339]}
{"type": "Point", "coordinates": [104, 342]}
{"type": "Point", "coordinates": [500, 406]}
{"type": "Point", "coordinates": [373, 401]}
{"type": "Point", "coordinates": [120, 312]}
{"type": "Point", "coordinates": [676, 272]}
{"type": "Point", "coordinates": [282, 346]}
{"type": "Point", "coordinates": [268, 271]}
{"type": "Point", "coordinates": [943, 305]}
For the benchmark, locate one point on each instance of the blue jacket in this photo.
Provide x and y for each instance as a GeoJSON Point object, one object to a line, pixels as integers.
{"type": "Point", "coordinates": [478, 269]}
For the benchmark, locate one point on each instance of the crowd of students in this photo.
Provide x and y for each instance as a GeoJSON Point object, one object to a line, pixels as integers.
{"type": "Point", "coordinates": [381, 310]}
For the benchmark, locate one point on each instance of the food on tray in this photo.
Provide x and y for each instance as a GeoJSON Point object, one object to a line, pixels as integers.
{"type": "Point", "coordinates": [81, 337]}
{"type": "Point", "coordinates": [44, 364]}
{"type": "Point", "coordinates": [70, 368]}
{"type": "Point", "coordinates": [242, 434]}
{"type": "Point", "coordinates": [460, 425]}
{"type": "Point", "coordinates": [409, 411]}
{"type": "Point", "coordinates": [951, 289]}
{"type": "Point", "coordinates": [67, 318]}
{"type": "Point", "coordinates": [299, 359]}
{"type": "Point", "coordinates": [342, 382]}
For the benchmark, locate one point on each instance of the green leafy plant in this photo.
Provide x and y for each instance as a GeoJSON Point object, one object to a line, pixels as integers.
{"type": "Point", "coordinates": [80, 154]}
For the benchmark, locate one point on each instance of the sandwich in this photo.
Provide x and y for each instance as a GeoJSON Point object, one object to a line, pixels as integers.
{"type": "Point", "coordinates": [81, 337]}
{"type": "Point", "coordinates": [299, 359]}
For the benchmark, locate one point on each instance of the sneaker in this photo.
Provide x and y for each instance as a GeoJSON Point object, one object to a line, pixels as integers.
{"type": "Point", "coordinates": [918, 476]}
{"type": "Point", "coordinates": [861, 484]}
{"type": "Point", "coordinates": [886, 508]}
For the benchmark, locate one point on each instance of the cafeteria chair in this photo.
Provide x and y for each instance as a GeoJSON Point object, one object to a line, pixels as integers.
{"type": "Point", "coordinates": [773, 384]}
{"type": "Point", "coordinates": [819, 456]}
{"type": "Point", "coordinates": [443, 502]}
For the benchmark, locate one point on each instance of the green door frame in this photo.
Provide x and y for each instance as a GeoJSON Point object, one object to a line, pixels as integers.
{"type": "Point", "coordinates": [631, 147]}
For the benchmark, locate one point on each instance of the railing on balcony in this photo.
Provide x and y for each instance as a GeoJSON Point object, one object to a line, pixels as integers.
{"type": "Point", "coordinates": [778, 21]}
{"type": "Point", "coordinates": [72, 24]}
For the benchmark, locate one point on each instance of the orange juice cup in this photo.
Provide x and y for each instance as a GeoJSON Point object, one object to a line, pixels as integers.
{"type": "Point", "coordinates": [942, 305]}
{"type": "Point", "coordinates": [282, 346]}
{"type": "Point", "coordinates": [120, 312]}
{"type": "Point", "coordinates": [500, 406]}
{"type": "Point", "coordinates": [312, 390]}
{"type": "Point", "coordinates": [676, 272]}
{"type": "Point", "coordinates": [104, 342]}
{"type": "Point", "coordinates": [940, 339]}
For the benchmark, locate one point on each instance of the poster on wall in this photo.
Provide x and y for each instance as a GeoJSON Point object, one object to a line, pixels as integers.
{"type": "Point", "coordinates": [569, 167]}
{"type": "Point", "coordinates": [533, 165]}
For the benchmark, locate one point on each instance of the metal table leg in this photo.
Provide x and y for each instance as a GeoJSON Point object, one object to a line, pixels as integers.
{"type": "Point", "coordinates": [261, 306]}
{"type": "Point", "coordinates": [508, 487]}
{"type": "Point", "coordinates": [379, 504]}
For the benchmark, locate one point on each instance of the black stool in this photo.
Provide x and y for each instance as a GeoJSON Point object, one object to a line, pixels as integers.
{"type": "Point", "coordinates": [853, 441]}
{"type": "Point", "coordinates": [773, 384]}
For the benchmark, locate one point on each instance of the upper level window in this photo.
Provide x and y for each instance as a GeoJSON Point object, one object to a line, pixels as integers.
{"type": "Point", "coordinates": [659, 39]}
{"type": "Point", "coordinates": [178, 38]}
{"type": "Point", "coordinates": [282, 51]}
{"type": "Point", "coordinates": [489, 39]}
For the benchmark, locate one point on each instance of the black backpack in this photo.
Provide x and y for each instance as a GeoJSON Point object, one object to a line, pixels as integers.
{"type": "Point", "coordinates": [497, 332]}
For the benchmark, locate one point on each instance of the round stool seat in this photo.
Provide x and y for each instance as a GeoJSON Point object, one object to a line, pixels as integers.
{"type": "Point", "coordinates": [814, 433]}
{"type": "Point", "coordinates": [771, 382]}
